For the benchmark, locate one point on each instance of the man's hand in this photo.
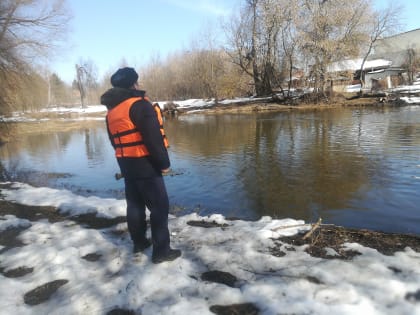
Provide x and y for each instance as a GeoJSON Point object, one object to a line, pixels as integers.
{"type": "Point", "coordinates": [166, 170]}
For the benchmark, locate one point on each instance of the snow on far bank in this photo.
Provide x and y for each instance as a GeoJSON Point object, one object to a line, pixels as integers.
{"type": "Point", "coordinates": [415, 88]}
{"type": "Point", "coordinates": [353, 88]}
{"type": "Point", "coordinates": [59, 110]}
{"type": "Point", "coordinates": [76, 109]}
{"type": "Point", "coordinates": [411, 100]}
{"type": "Point", "coordinates": [190, 105]}
{"type": "Point", "coordinates": [200, 103]}
{"type": "Point", "coordinates": [294, 283]}
{"type": "Point", "coordinates": [197, 104]}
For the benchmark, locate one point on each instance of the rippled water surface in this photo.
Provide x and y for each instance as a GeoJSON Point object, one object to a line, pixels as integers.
{"type": "Point", "coordinates": [352, 167]}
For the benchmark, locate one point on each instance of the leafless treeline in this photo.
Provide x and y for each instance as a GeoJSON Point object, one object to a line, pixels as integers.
{"type": "Point", "coordinates": [269, 45]}
{"type": "Point", "coordinates": [30, 30]}
{"type": "Point", "coordinates": [272, 44]}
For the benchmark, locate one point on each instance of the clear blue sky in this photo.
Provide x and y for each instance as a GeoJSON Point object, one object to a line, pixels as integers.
{"type": "Point", "coordinates": [107, 32]}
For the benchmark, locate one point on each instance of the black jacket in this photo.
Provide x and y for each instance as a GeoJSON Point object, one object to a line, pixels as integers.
{"type": "Point", "coordinates": [145, 119]}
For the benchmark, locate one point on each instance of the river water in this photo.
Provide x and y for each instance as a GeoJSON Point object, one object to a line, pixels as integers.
{"type": "Point", "coordinates": [356, 167]}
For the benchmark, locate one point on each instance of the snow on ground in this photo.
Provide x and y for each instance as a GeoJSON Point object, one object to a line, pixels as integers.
{"type": "Point", "coordinates": [296, 283]}
{"type": "Point", "coordinates": [353, 88]}
{"type": "Point", "coordinates": [200, 103]}
{"type": "Point", "coordinates": [411, 100]}
{"type": "Point", "coordinates": [407, 88]}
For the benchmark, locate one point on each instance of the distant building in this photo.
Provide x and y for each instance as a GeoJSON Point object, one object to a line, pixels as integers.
{"type": "Point", "coordinates": [398, 48]}
{"type": "Point", "coordinates": [354, 65]}
{"type": "Point", "coordinates": [343, 73]}
{"type": "Point", "coordinates": [404, 52]}
{"type": "Point", "coordinates": [393, 61]}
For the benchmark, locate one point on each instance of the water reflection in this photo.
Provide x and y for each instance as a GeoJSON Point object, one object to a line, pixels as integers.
{"type": "Point", "coordinates": [283, 164]}
{"type": "Point", "coordinates": [305, 165]}
{"type": "Point", "coordinates": [354, 167]}
{"type": "Point", "coordinates": [80, 160]}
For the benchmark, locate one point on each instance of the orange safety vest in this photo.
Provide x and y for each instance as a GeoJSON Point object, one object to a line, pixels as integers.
{"type": "Point", "coordinates": [126, 139]}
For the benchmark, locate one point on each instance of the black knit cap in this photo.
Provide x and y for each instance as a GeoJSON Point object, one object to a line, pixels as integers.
{"type": "Point", "coordinates": [124, 78]}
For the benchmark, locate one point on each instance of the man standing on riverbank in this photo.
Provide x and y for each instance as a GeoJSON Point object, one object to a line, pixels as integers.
{"type": "Point", "coordinates": [138, 138]}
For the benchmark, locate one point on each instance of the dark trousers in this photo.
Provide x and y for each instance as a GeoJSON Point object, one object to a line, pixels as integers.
{"type": "Point", "coordinates": [150, 193]}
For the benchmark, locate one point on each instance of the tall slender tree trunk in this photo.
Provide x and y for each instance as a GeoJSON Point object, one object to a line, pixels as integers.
{"type": "Point", "coordinates": [255, 71]}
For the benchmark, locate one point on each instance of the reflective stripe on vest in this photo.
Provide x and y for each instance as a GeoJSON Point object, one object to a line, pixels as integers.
{"type": "Point", "coordinates": [126, 139]}
{"type": "Point", "coordinates": [160, 119]}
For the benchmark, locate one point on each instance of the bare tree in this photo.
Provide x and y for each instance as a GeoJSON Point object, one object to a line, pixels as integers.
{"type": "Point", "coordinates": [380, 23]}
{"type": "Point", "coordinates": [289, 43]}
{"type": "Point", "coordinates": [87, 82]}
{"type": "Point", "coordinates": [28, 29]}
{"type": "Point", "coordinates": [207, 65]}
{"type": "Point", "coordinates": [411, 64]}
{"type": "Point", "coordinates": [202, 71]}
{"type": "Point", "coordinates": [331, 31]}
{"type": "Point", "coordinates": [81, 83]}
{"type": "Point", "coordinates": [263, 41]}
{"type": "Point", "coordinates": [282, 18]}
{"type": "Point", "coordinates": [248, 48]}
{"type": "Point", "coordinates": [157, 78]}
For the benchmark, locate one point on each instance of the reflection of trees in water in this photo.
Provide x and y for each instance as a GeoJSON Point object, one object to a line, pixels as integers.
{"type": "Point", "coordinates": [44, 144]}
{"type": "Point", "coordinates": [288, 163]}
{"type": "Point", "coordinates": [94, 145]}
{"type": "Point", "coordinates": [211, 135]}
{"type": "Point", "coordinates": [407, 134]}
{"type": "Point", "coordinates": [3, 173]}
{"type": "Point", "coordinates": [5, 131]}
{"type": "Point", "coordinates": [35, 140]}
{"type": "Point", "coordinates": [299, 165]}
{"type": "Point", "coordinates": [34, 144]}
{"type": "Point", "coordinates": [40, 138]}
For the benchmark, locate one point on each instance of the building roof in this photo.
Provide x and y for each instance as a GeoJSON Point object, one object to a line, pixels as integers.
{"type": "Point", "coordinates": [355, 64]}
